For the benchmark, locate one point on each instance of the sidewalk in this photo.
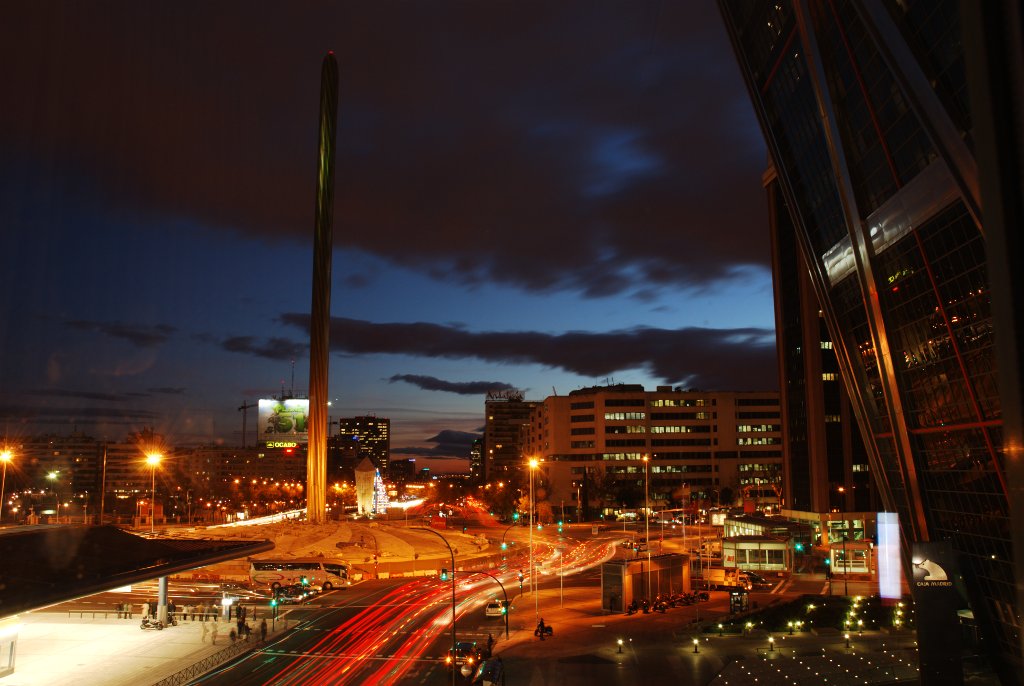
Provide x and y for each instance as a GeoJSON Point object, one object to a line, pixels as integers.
{"type": "Point", "coordinates": [53, 649]}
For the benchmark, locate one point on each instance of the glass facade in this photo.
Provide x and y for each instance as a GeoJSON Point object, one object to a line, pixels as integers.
{"type": "Point", "coordinates": [880, 201]}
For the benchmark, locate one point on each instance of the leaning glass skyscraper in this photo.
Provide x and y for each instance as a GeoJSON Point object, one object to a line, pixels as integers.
{"type": "Point", "coordinates": [864, 105]}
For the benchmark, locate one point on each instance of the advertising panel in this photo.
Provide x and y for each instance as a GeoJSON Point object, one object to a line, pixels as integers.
{"type": "Point", "coordinates": [890, 576]}
{"type": "Point", "coordinates": [284, 420]}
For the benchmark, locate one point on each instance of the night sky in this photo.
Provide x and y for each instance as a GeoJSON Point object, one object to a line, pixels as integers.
{"type": "Point", "coordinates": [532, 195]}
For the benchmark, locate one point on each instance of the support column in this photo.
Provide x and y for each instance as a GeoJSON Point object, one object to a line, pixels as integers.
{"type": "Point", "coordinates": [320, 309]}
{"type": "Point", "coordinates": [161, 600]}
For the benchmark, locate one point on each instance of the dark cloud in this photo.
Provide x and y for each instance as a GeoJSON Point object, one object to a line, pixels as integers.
{"type": "Point", "coordinates": [140, 335]}
{"type": "Point", "coordinates": [272, 348]}
{"type": "Point", "coordinates": [67, 414]}
{"type": "Point", "coordinates": [448, 443]}
{"type": "Point", "coordinates": [598, 147]}
{"type": "Point", "coordinates": [167, 390]}
{"type": "Point", "coordinates": [86, 395]}
{"type": "Point", "coordinates": [711, 359]}
{"type": "Point", "coordinates": [431, 383]}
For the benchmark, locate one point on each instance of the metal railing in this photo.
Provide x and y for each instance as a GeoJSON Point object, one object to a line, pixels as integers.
{"type": "Point", "coordinates": [209, 662]}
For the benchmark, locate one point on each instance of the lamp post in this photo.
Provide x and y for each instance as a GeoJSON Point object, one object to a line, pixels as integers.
{"type": "Point", "coordinates": [153, 459]}
{"type": "Point", "coordinates": [53, 476]}
{"type": "Point", "coordinates": [846, 569]}
{"type": "Point", "coordinates": [5, 456]}
{"type": "Point", "coordinates": [452, 553]}
{"type": "Point", "coordinates": [579, 504]}
{"type": "Point", "coordinates": [647, 525]}
{"type": "Point", "coordinates": [504, 546]}
{"type": "Point", "coordinates": [536, 600]}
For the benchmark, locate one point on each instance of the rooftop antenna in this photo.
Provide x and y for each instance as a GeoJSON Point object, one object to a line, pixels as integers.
{"type": "Point", "coordinates": [293, 378]}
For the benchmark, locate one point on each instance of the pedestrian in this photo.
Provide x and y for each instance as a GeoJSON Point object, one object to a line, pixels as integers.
{"type": "Point", "coordinates": [490, 644]}
{"type": "Point", "coordinates": [263, 630]}
{"type": "Point", "coordinates": [171, 609]}
{"type": "Point", "coordinates": [202, 639]}
{"type": "Point", "coordinates": [213, 636]}
{"type": "Point", "coordinates": [241, 627]}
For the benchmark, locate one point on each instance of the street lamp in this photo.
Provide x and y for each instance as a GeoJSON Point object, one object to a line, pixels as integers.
{"type": "Point", "coordinates": [846, 569]}
{"type": "Point", "coordinates": [647, 525]}
{"type": "Point", "coordinates": [536, 600]}
{"type": "Point", "coordinates": [53, 476]}
{"type": "Point", "coordinates": [5, 456]}
{"type": "Point", "coordinates": [153, 459]}
{"type": "Point", "coordinates": [452, 553]}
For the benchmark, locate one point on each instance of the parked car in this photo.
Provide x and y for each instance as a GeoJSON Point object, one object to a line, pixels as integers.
{"type": "Point", "coordinates": [294, 593]}
{"type": "Point", "coordinates": [755, 581]}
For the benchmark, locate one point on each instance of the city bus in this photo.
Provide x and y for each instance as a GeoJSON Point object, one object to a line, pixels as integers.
{"type": "Point", "coordinates": [326, 574]}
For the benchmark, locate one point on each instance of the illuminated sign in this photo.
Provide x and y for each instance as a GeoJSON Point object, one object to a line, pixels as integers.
{"type": "Point", "coordinates": [890, 584]}
{"type": "Point", "coordinates": [284, 421]}
{"type": "Point", "coordinates": [282, 444]}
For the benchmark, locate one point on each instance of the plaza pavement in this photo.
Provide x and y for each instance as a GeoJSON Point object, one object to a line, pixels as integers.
{"type": "Point", "coordinates": [658, 648]}
{"type": "Point", "coordinates": [55, 648]}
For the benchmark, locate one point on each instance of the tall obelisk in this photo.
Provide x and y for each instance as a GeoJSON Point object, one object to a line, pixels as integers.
{"type": "Point", "coordinates": [320, 309]}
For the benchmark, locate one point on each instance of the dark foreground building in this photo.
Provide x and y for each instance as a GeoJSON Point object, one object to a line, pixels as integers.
{"type": "Point", "coordinates": [881, 164]}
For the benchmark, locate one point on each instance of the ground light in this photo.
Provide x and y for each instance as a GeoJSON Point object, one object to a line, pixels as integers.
{"type": "Point", "coordinates": [620, 645]}
{"type": "Point", "coordinates": [696, 642]}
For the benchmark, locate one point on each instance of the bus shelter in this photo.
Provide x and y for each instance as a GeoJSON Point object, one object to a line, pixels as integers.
{"type": "Point", "coordinates": [623, 581]}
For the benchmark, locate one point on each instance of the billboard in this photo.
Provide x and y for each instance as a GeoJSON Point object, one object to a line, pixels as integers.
{"type": "Point", "coordinates": [284, 420]}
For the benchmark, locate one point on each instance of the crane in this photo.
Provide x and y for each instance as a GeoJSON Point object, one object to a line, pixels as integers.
{"type": "Point", "coordinates": [243, 408]}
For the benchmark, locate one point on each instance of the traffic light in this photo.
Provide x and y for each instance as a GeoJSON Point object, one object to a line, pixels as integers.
{"type": "Point", "coordinates": [559, 526]}
{"type": "Point", "coordinates": [444, 574]}
{"type": "Point", "coordinates": [304, 581]}
{"type": "Point", "coordinates": [504, 546]}
{"type": "Point", "coordinates": [799, 547]}
{"type": "Point", "coordinates": [515, 516]}
{"type": "Point", "coordinates": [521, 577]}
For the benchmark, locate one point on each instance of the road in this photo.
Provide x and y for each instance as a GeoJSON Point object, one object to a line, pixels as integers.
{"type": "Point", "coordinates": [398, 631]}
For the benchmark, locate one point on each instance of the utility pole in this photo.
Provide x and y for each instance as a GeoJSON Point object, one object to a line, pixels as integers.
{"type": "Point", "coordinates": [244, 409]}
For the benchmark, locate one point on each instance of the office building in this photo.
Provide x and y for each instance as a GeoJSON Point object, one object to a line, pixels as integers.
{"type": "Point", "coordinates": [825, 462]}
{"type": "Point", "coordinates": [719, 448]}
{"type": "Point", "coordinates": [865, 110]}
{"type": "Point", "coordinates": [368, 437]}
{"type": "Point", "coordinates": [507, 416]}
